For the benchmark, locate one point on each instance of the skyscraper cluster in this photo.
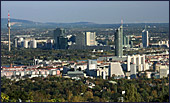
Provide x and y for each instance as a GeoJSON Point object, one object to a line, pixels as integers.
{"type": "Point", "coordinates": [60, 41]}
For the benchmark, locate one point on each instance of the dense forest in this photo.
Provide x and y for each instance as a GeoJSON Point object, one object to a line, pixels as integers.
{"type": "Point", "coordinates": [58, 89]}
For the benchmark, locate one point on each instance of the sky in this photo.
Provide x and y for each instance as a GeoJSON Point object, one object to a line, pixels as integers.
{"type": "Point", "coordinates": [102, 12]}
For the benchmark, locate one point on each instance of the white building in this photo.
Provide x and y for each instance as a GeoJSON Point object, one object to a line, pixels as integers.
{"type": "Point", "coordinates": [115, 69]}
{"type": "Point", "coordinates": [90, 38]}
{"type": "Point", "coordinates": [25, 43]}
{"type": "Point", "coordinates": [34, 44]}
{"type": "Point", "coordinates": [139, 60]}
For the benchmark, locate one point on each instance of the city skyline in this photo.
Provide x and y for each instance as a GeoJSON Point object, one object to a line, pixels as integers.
{"type": "Point", "coordinates": [101, 12]}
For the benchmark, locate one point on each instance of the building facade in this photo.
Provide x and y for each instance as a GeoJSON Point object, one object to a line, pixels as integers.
{"type": "Point", "coordinates": [119, 41]}
{"type": "Point", "coordinates": [86, 39]}
{"type": "Point", "coordinates": [90, 38]}
{"type": "Point", "coordinates": [145, 38]}
{"type": "Point", "coordinates": [115, 69]}
{"type": "Point", "coordinates": [60, 42]}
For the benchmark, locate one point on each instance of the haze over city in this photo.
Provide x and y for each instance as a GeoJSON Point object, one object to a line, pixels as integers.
{"type": "Point", "coordinates": [102, 12]}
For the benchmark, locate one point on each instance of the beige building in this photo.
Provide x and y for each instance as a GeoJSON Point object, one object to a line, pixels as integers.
{"type": "Point", "coordinates": [90, 38]}
{"type": "Point", "coordinates": [86, 39]}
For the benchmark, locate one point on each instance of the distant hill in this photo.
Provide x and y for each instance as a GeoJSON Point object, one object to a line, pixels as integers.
{"type": "Point", "coordinates": [5, 20]}
{"type": "Point", "coordinates": [30, 24]}
{"type": "Point", "coordinates": [19, 22]}
{"type": "Point", "coordinates": [27, 23]}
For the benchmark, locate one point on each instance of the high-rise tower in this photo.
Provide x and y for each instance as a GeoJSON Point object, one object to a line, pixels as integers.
{"type": "Point", "coordinates": [90, 38]}
{"type": "Point", "coordinates": [119, 41]}
{"type": "Point", "coordinates": [86, 39]}
{"type": "Point", "coordinates": [8, 25]}
{"type": "Point", "coordinates": [145, 38]}
{"type": "Point", "coordinates": [60, 41]}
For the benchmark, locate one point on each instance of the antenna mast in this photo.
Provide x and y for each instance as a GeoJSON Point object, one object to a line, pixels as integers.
{"type": "Point", "coordinates": [8, 25]}
{"type": "Point", "coordinates": [122, 22]}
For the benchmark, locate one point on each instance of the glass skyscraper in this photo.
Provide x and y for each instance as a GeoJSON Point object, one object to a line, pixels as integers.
{"type": "Point", "coordinates": [60, 42]}
{"type": "Point", "coordinates": [119, 41]}
{"type": "Point", "coordinates": [145, 38]}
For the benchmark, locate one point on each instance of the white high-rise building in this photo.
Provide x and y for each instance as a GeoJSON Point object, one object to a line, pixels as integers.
{"type": "Point", "coordinates": [128, 63]}
{"type": "Point", "coordinates": [34, 43]}
{"type": "Point", "coordinates": [90, 38]}
{"type": "Point", "coordinates": [145, 38]}
{"type": "Point", "coordinates": [167, 43]}
{"type": "Point", "coordinates": [138, 60]}
{"type": "Point", "coordinates": [25, 43]}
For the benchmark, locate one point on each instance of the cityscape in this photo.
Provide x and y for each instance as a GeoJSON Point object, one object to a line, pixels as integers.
{"type": "Point", "coordinates": [84, 61]}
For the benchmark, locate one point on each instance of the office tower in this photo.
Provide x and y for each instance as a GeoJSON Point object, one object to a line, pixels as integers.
{"type": "Point", "coordinates": [58, 37]}
{"type": "Point", "coordinates": [25, 43]}
{"type": "Point", "coordinates": [63, 42]}
{"type": "Point", "coordinates": [145, 38]}
{"type": "Point", "coordinates": [16, 42]}
{"type": "Point", "coordinates": [49, 44]}
{"type": "Point", "coordinates": [119, 41]}
{"type": "Point", "coordinates": [59, 32]}
{"type": "Point", "coordinates": [86, 39]}
{"type": "Point", "coordinates": [90, 38]}
{"type": "Point", "coordinates": [80, 39]}
{"type": "Point", "coordinates": [115, 69]}
{"type": "Point", "coordinates": [127, 40]}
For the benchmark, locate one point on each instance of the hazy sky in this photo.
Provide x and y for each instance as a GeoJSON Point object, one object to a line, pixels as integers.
{"type": "Point", "coordinates": [109, 12]}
